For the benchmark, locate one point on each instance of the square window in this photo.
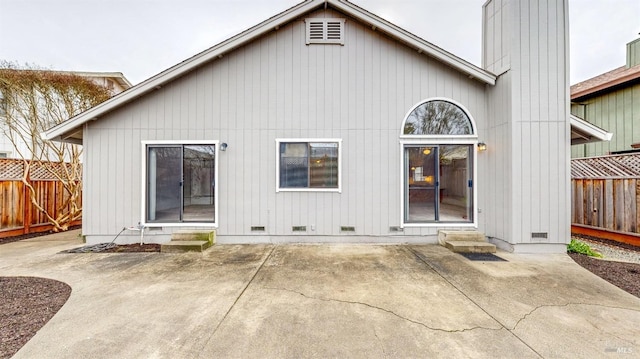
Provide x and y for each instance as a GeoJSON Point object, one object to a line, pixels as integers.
{"type": "Point", "coordinates": [308, 165]}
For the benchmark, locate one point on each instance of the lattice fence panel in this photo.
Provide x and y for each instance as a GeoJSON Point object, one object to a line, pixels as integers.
{"type": "Point", "coordinates": [12, 169]}
{"type": "Point", "coordinates": [615, 166]}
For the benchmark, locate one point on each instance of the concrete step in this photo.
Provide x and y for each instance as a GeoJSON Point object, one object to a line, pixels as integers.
{"type": "Point", "coordinates": [467, 236]}
{"type": "Point", "coordinates": [182, 246]}
{"type": "Point", "coordinates": [470, 247]}
{"type": "Point", "coordinates": [194, 235]}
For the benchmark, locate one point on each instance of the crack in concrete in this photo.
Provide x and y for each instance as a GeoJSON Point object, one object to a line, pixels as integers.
{"type": "Point", "coordinates": [511, 330]}
{"type": "Point", "coordinates": [384, 310]}
{"type": "Point", "coordinates": [213, 333]}
{"type": "Point", "coordinates": [566, 305]}
{"type": "Point", "coordinates": [384, 353]}
{"type": "Point", "coordinates": [424, 260]}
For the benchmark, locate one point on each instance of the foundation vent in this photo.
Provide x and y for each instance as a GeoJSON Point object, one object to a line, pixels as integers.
{"type": "Point", "coordinates": [347, 229]}
{"type": "Point", "coordinates": [396, 229]}
{"type": "Point", "coordinates": [299, 228]}
{"type": "Point", "coordinates": [539, 235]}
{"type": "Point", "coordinates": [257, 228]}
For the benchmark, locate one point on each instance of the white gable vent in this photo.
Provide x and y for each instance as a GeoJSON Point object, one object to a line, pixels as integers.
{"type": "Point", "coordinates": [325, 31]}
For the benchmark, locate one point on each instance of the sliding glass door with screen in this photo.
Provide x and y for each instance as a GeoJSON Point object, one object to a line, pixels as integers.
{"type": "Point", "coordinates": [180, 183]}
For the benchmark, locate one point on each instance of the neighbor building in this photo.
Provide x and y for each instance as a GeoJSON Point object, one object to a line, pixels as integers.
{"type": "Point", "coordinates": [327, 123]}
{"type": "Point", "coordinates": [115, 82]}
{"type": "Point", "coordinates": [611, 101]}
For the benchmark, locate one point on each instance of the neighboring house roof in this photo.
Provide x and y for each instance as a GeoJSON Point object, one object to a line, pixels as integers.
{"type": "Point", "coordinates": [71, 129]}
{"type": "Point", "coordinates": [585, 132]}
{"type": "Point", "coordinates": [605, 81]}
{"type": "Point", "coordinates": [117, 77]}
{"type": "Point", "coordinates": [606, 167]}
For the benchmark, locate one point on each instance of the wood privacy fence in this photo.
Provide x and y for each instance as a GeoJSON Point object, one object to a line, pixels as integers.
{"type": "Point", "coordinates": [17, 214]}
{"type": "Point", "coordinates": [610, 204]}
{"type": "Point", "coordinates": [605, 192]}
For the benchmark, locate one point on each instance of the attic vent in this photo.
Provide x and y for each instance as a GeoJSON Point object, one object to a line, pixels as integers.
{"type": "Point", "coordinates": [325, 31]}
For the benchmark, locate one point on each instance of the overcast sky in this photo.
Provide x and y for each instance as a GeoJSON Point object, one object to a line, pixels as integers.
{"type": "Point", "coordinates": [140, 38]}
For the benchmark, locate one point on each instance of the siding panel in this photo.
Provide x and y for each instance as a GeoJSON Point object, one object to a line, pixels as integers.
{"type": "Point", "coordinates": [278, 87]}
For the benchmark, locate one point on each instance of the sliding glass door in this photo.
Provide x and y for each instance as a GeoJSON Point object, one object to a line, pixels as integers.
{"type": "Point", "coordinates": [438, 183]}
{"type": "Point", "coordinates": [180, 183]}
{"type": "Point", "coordinates": [421, 185]}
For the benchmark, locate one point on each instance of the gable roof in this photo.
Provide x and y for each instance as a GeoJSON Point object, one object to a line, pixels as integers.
{"type": "Point", "coordinates": [605, 81]}
{"type": "Point", "coordinates": [71, 130]}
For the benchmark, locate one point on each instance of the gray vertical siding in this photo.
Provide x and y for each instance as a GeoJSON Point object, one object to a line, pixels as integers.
{"type": "Point", "coordinates": [529, 119]}
{"type": "Point", "coordinates": [278, 87]}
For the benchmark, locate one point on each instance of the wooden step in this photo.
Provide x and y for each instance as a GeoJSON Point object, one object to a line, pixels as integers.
{"type": "Point", "coordinates": [182, 246]}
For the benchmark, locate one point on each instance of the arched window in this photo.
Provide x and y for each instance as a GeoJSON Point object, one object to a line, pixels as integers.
{"type": "Point", "coordinates": [437, 117]}
{"type": "Point", "coordinates": [438, 140]}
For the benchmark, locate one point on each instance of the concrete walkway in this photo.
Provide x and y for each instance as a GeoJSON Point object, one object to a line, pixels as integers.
{"type": "Point", "coordinates": [318, 301]}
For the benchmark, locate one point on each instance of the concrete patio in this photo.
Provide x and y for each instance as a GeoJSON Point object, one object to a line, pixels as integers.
{"type": "Point", "coordinates": [316, 301]}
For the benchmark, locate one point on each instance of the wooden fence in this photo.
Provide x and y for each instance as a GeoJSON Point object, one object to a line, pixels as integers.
{"type": "Point", "coordinates": [610, 204]}
{"type": "Point", "coordinates": [17, 214]}
{"type": "Point", "coordinates": [605, 192]}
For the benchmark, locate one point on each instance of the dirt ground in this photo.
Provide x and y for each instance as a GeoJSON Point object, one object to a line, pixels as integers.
{"type": "Point", "coordinates": [27, 303]}
{"type": "Point", "coordinates": [623, 275]}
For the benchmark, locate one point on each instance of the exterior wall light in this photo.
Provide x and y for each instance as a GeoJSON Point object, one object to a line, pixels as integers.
{"type": "Point", "coordinates": [223, 146]}
{"type": "Point", "coordinates": [482, 146]}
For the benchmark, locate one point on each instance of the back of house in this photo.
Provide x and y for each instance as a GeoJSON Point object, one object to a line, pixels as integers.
{"type": "Point", "coordinates": [327, 123]}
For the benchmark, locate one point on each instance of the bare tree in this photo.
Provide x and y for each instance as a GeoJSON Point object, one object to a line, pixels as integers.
{"type": "Point", "coordinates": [31, 102]}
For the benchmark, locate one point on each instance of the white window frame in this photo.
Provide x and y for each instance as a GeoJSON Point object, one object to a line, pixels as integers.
{"type": "Point", "coordinates": [432, 140]}
{"type": "Point", "coordinates": [143, 199]}
{"type": "Point", "coordinates": [309, 140]}
{"type": "Point", "coordinates": [325, 31]}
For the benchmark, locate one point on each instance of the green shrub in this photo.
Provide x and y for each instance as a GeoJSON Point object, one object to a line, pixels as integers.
{"type": "Point", "coordinates": [582, 248]}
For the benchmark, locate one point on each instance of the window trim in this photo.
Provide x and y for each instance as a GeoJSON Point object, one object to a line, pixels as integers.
{"type": "Point", "coordinates": [460, 140]}
{"type": "Point", "coordinates": [474, 128]}
{"type": "Point", "coordinates": [143, 198]}
{"type": "Point", "coordinates": [426, 140]}
{"type": "Point", "coordinates": [309, 140]}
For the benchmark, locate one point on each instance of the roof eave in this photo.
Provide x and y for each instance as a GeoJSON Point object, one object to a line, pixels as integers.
{"type": "Point", "coordinates": [252, 33]}
{"type": "Point", "coordinates": [181, 68]}
{"type": "Point", "coordinates": [412, 40]}
{"type": "Point", "coordinates": [589, 132]}
{"type": "Point", "coordinates": [604, 86]}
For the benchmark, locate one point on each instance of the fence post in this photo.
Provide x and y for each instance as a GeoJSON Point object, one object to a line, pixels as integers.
{"type": "Point", "coordinates": [27, 206]}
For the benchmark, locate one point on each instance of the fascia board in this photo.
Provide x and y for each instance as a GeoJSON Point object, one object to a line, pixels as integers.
{"type": "Point", "coordinates": [416, 42]}
{"type": "Point", "coordinates": [246, 36]}
{"type": "Point", "coordinates": [181, 68]}
{"type": "Point", "coordinates": [590, 129]}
